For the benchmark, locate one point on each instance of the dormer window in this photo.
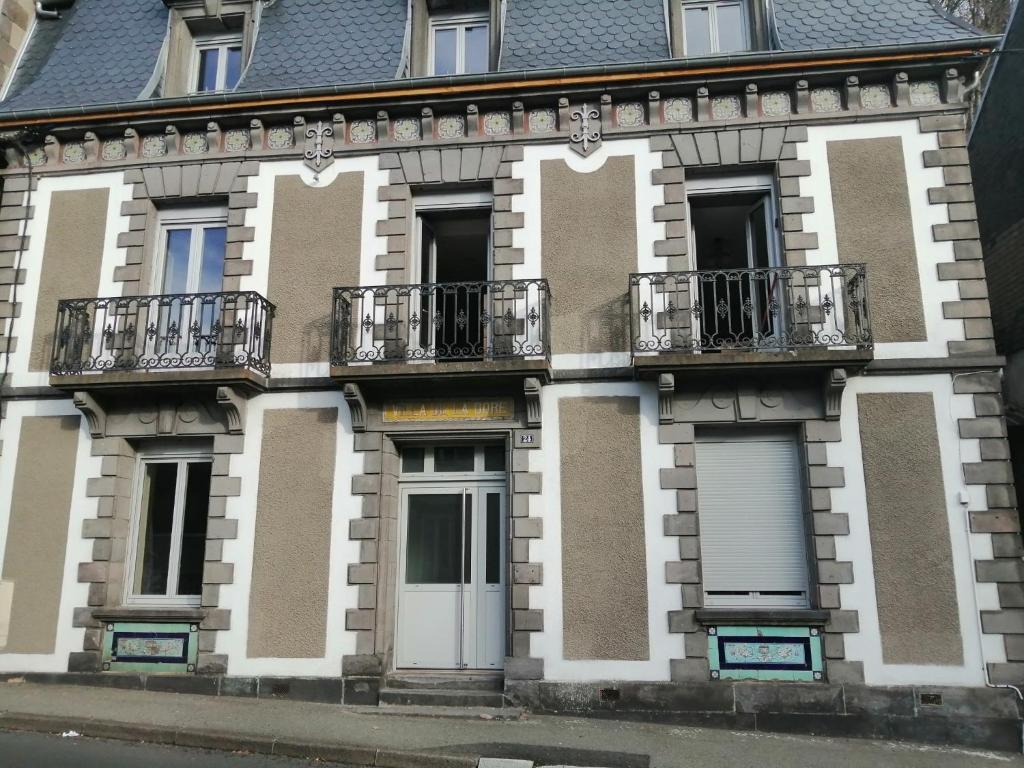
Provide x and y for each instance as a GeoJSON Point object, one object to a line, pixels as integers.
{"type": "Point", "coordinates": [720, 26]}
{"type": "Point", "coordinates": [217, 64]}
{"type": "Point", "coordinates": [459, 44]}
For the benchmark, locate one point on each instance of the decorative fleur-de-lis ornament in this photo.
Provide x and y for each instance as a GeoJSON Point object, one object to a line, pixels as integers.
{"type": "Point", "coordinates": [319, 146]}
{"type": "Point", "coordinates": [585, 136]}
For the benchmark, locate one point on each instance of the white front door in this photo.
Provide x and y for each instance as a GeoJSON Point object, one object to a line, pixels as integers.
{"type": "Point", "coordinates": [451, 593]}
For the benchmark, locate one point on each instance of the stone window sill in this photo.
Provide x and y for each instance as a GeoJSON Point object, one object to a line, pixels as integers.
{"type": "Point", "coordinates": [146, 613]}
{"type": "Point", "coordinates": [779, 617]}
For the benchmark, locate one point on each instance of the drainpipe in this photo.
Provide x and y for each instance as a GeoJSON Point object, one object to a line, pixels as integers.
{"type": "Point", "coordinates": [43, 12]}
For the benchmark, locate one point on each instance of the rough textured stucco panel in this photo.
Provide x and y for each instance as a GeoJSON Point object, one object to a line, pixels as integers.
{"type": "Point", "coordinates": [588, 233]}
{"type": "Point", "coordinates": [37, 534]}
{"type": "Point", "coordinates": [291, 554]}
{"type": "Point", "coordinates": [72, 255]}
{"type": "Point", "coordinates": [874, 226]}
{"type": "Point", "coordinates": [604, 555]}
{"type": "Point", "coordinates": [314, 247]}
{"type": "Point", "coordinates": [911, 553]}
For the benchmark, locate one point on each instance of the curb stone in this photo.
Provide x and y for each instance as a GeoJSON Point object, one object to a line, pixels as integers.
{"type": "Point", "coordinates": [340, 753]}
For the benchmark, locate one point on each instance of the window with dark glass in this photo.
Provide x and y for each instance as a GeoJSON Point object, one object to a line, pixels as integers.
{"type": "Point", "coordinates": [170, 530]}
{"type": "Point", "coordinates": [218, 64]}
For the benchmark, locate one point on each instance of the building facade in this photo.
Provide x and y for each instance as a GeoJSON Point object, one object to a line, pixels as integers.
{"type": "Point", "coordinates": [995, 145]}
{"type": "Point", "coordinates": [585, 356]}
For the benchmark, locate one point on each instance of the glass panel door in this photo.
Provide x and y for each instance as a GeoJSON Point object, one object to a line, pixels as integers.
{"type": "Point", "coordinates": [431, 578]}
{"type": "Point", "coordinates": [451, 595]}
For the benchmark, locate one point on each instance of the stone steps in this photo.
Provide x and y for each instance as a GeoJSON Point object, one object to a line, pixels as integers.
{"type": "Point", "coordinates": [441, 697]}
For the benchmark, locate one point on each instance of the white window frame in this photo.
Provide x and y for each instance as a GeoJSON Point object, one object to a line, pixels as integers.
{"type": "Point", "coordinates": [208, 43]}
{"type": "Point", "coordinates": [712, 7]}
{"type": "Point", "coordinates": [458, 22]}
{"type": "Point", "coordinates": [762, 183]}
{"type": "Point", "coordinates": [430, 475]}
{"type": "Point", "coordinates": [182, 456]}
{"type": "Point", "coordinates": [196, 220]}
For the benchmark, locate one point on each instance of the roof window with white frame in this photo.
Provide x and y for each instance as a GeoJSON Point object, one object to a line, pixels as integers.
{"type": "Point", "coordinates": [217, 63]}
{"type": "Point", "coordinates": [459, 43]}
{"type": "Point", "coordinates": [713, 27]}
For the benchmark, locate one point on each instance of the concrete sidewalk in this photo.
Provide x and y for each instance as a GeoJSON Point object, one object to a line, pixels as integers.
{"type": "Point", "coordinates": [372, 737]}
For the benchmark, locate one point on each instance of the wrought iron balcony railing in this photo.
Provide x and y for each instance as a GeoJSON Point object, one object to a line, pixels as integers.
{"type": "Point", "coordinates": [770, 309]}
{"type": "Point", "coordinates": [441, 322]}
{"type": "Point", "coordinates": [167, 332]}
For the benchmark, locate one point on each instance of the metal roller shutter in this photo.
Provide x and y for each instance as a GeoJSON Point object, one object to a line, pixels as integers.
{"type": "Point", "coordinates": [750, 498]}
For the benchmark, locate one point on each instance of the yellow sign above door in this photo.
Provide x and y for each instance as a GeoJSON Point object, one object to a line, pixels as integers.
{"type": "Point", "coordinates": [480, 409]}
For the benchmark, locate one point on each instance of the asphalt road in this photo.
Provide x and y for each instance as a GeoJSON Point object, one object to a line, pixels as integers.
{"type": "Point", "coordinates": [37, 750]}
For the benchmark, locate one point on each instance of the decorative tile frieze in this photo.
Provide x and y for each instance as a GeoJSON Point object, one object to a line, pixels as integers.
{"type": "Point", "coordinates": [194, 143]}
{"type": "Point", "coordinates": [362, 131]}
{"type": "Point", "coordinates": [925, 93]}
{"type": "Point", "coordinates": [678, 110]}
{"type": "Point", "coordinates": [407, 129]}
{"type": "Point", "coordinates": [113, 150]}
{"type": "Point", "coordinates": [37, 156]}
{"type": "Point", "coordinates": [876, 97]}
{"type": "Point", "coordinates": [726, 108]}
{"type": "Point", "coordinates": [629, 115]}
{"type": "Point", "coordinates": [690, 104]}
{"type": "Point", "coordinates": [74, 152]}
{"type": "Point", "coordinates": [774, 103]}
{"type": "Point", "coordinates": [236, 141]}
{"type": "Point", "coordinates": [154, 146]}
{"type": "Point", "coordinates": [543, 121]}
{"type": "Point", "coordinates": [451, 127]}
{"type": "Point", "coordinates": [497, 124]}
{"type": "Point", "coordinates": [826, 100]}
{"type": "Point", "coordinates": [279, 138]}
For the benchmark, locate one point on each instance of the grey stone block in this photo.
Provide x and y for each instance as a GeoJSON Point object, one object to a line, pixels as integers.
{"type": "Point", "coordinates": [756, 698]}
{"type": "Point", "coordinates": [679, 477]}
{"type": "Point", "coordinates": [689, 670]}
{"type": "Point", "coordinates": [682, 572]}
{"type": "Point", "coordinates": [1007, 621]}
{"type": "Point", "coordinates": [523, 668]}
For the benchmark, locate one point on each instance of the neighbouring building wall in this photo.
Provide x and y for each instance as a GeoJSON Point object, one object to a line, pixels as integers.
{"type": "Point", "coordinates": [16, 20]}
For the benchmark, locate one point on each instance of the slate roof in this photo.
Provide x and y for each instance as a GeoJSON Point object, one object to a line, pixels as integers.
{"type": "Point", "coordinates": [104, 51]}
{"type": "Point", "coordinates": [816, 24]}
{"type": "Point", "coordinates": [323, 42]}
{"type": "Point", "coordinates": [577, 34]}
{"type": "Point", "coordinates": [100, 51]}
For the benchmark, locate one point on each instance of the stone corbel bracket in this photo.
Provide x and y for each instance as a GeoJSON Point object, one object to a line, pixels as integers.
{"type": "Point", "coordinates": [95, 415]}
{"type": "Point", "coordinates": [835, 383]}
{"type": "Point", "coordinates": [356, 406]}
{"type": "Point", "coordinates": [531, 388]}
{"type": "Point", "coordinates": [666, 396]}
{"type": "Point", "coordinates": [233, 405]}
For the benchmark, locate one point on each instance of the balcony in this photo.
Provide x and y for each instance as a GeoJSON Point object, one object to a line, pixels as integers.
{"type": "Point", "coordinates": [441, 329]}
{"type": "Point", "coordinates": [203, 338]}
{"type": "Point", "coordinates": [781, 315]}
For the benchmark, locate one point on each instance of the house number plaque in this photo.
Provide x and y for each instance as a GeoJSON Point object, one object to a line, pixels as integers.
{"type": "Point", "coordinates": [480, 409]}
